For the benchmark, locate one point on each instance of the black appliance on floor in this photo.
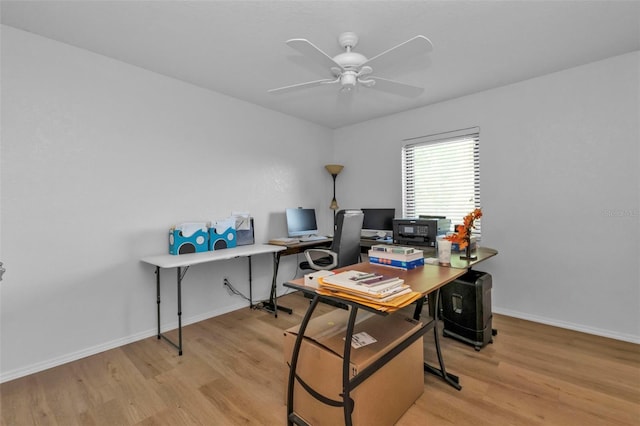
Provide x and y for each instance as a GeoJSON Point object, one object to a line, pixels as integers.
{"type": "Point", "coordinates": [466, 309]}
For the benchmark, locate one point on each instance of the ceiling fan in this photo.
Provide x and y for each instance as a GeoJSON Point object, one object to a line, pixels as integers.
{"type": "Point", "coordinates": [350, 69]}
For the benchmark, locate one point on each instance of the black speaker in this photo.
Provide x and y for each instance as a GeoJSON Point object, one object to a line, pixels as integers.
{"type": "Point", "coordinates": [466, 309]}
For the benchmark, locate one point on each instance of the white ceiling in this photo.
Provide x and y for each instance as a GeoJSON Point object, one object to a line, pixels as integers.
{"type": "Point", "coordinates": [238, 47]}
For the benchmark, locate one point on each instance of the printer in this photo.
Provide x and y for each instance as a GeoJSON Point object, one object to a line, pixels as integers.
{"type": "Point", "coordinates": [420, 231]}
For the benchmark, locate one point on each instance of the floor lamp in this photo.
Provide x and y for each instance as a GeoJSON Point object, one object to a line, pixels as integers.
{"type": "Point", "coordinates": [334, 170]}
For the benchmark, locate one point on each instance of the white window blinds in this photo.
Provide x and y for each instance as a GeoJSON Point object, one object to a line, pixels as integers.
{"type": "Point", "coordinates": [441, 175]}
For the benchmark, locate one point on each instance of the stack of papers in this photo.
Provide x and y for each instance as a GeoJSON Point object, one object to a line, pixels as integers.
{"type": "Point", "coordinates": [382, 292]}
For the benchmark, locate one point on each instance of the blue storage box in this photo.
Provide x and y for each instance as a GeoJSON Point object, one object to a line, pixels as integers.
{"type": "Point", "coordinates": [188, 241]}
{"type": "Point", "coordinates": [226, 239]}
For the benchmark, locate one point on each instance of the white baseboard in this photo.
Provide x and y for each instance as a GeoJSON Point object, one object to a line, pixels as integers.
{"type": "Point", "coordinates": [74, 356]}
{"type": "Point", "coordinates": [570, 326]}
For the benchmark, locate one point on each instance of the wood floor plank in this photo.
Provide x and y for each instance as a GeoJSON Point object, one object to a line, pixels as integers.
{"type": "Point", "coordinates": [243, 404]}
{"type": "Point", "coordinates": [233, 373]}
{"type": "Point", "coordinates": [182, 401]}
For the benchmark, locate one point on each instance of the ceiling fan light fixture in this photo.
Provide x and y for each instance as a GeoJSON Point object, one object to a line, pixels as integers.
{"type": "Point", "coordinates": [348, 80]}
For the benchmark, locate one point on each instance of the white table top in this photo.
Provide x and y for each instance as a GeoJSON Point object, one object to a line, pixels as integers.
{"type": "Point", "coordinates": [175, 261]}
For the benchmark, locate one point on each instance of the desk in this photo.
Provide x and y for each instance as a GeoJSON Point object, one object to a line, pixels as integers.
{"type": "Point", "coordinates": [482, 254]}
{"type": "Point", "coordinates": [300, 247]}
{"type": "Point", "coordinates": [365, 244]}
{"type": "Point", "coordinates": [286, 250]}
{"type": "Point", "coordinates": [184, 261]}
{"type": "Point", "coordinates": [426, 280]}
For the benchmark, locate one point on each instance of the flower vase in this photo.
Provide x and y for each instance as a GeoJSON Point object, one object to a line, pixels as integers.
{"type": "Point", "coordinates": [467, 252]}
{"type": "Point", "coordinates": [444, 252]}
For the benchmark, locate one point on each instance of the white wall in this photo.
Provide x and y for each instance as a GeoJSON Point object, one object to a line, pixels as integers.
{"type": "Point", "coordinates": [99, 158]}
{"type": "Point", "coordinates": [559, 185]}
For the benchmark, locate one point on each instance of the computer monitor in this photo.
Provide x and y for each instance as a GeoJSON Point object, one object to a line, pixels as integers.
{"type": "Point", "coordinates": [301, 222]}
{"type": "Point", "coordinates": [377, 220]}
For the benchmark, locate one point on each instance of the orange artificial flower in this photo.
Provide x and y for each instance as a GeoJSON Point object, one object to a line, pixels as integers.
{"type": "Point", "coordinates": [462, 235]}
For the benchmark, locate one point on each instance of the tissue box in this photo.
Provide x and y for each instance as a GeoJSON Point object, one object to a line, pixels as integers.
{"type": "Point", "coordinates": [455, 248]}
{"type": "Point", "coordinates": [226, 239]}
{"type": "Point", "coordinates": [311, 280]}
{"type": "Point", "coordinates": [196, 242]}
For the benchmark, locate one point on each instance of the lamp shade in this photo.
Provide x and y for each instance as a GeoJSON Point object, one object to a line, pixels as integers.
{"type": "Point", "coordinates": [334, 169]}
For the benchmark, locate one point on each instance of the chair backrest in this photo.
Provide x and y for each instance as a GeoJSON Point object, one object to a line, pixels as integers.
{"type": "Point", "coordinates": [346, 241]}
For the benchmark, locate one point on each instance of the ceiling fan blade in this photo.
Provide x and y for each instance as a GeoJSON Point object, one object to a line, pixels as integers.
{"type": "Point", "coordinates": [413, 47]}
{"type": "Point", "coordinates": [303, 85]}
{"type": "Point", "coordinates": [312, 51]}
{"type": "Point", "coordinates": [395, 87]}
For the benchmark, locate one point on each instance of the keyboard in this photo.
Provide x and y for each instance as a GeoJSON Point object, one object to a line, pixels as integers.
{"type": "Point", "coordinates": [312, 238]}
{"type": "Point", "coordinates": [283, 240]}
{"type": "Point", "coordinates": [369, 237]}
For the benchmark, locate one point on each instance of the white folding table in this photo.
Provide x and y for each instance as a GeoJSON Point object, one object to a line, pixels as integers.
{"type": "Point", "coordinates": [184, 261]}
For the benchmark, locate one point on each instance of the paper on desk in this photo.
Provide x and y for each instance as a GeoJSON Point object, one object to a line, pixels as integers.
{"type": "Point", "coordinates": [387, 306]}
{"type": "Point", "coordinates": [222, 225]}
{"type": "Point", "coordinates": [243, 220]}
{"type": "Point", "coordinates": [190, 228]}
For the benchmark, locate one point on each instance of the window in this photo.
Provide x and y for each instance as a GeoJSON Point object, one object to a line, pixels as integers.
{"type": "Point", "coordinates": [441, 175]}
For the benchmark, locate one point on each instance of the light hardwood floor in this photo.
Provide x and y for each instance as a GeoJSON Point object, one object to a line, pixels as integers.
{"type": "Point", "coordinates": [233, 373]}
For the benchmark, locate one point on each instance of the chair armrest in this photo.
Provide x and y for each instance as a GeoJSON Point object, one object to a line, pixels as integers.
{"type": "Point", "coordinates": [315, 254]}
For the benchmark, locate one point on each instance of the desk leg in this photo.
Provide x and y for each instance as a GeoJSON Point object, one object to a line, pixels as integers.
{"type": "Point", "coordinates": [417, 313]}
{"type": "Point", "coordinates": [180, 311]}
{"type": "Point", "coordinates": [294, 358]}
{"type": "Point", "coordinates": [180, 276]}
{"type": "Point", "coordinates": [273, 294]}
{"type": "Point", "coordinates": [442, 371]}
{"type": "Point", "coordinates": [158, 297]}
{"type": "Point", "coordinates": [271, 305]}
{"type": "Point", "coordinates": [346, 361]}
{"type": "Point", "coordinates": [250, 286]}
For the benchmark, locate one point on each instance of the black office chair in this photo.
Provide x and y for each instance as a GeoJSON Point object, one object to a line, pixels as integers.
{"type": "Point", "coordinates": [345, 249]}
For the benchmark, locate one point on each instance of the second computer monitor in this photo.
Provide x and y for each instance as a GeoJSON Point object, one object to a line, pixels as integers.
{"type": "Point", "coordinates": [301, 222]}
{"type": "Point", "coordinates": [378, 221]}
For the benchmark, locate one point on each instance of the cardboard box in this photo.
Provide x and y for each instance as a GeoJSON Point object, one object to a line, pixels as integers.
{"type": "Point", "coordinates": [384, 396]}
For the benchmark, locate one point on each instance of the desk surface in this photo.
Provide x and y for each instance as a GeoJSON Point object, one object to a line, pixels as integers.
{"type": "Point", "coordinates": [424, 279]}
{"type": "Point", "coordinates": [299, 247]}
{"type": "Point", "coordinates": [482, 253]}
{"type": "Point", "coordinates": [175, 261]}
{"type": "Point", "coordinates": [298, 243]}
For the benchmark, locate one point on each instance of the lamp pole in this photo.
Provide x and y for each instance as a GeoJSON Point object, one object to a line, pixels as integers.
{"type": "Point", "coordinates": [334, 170]}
